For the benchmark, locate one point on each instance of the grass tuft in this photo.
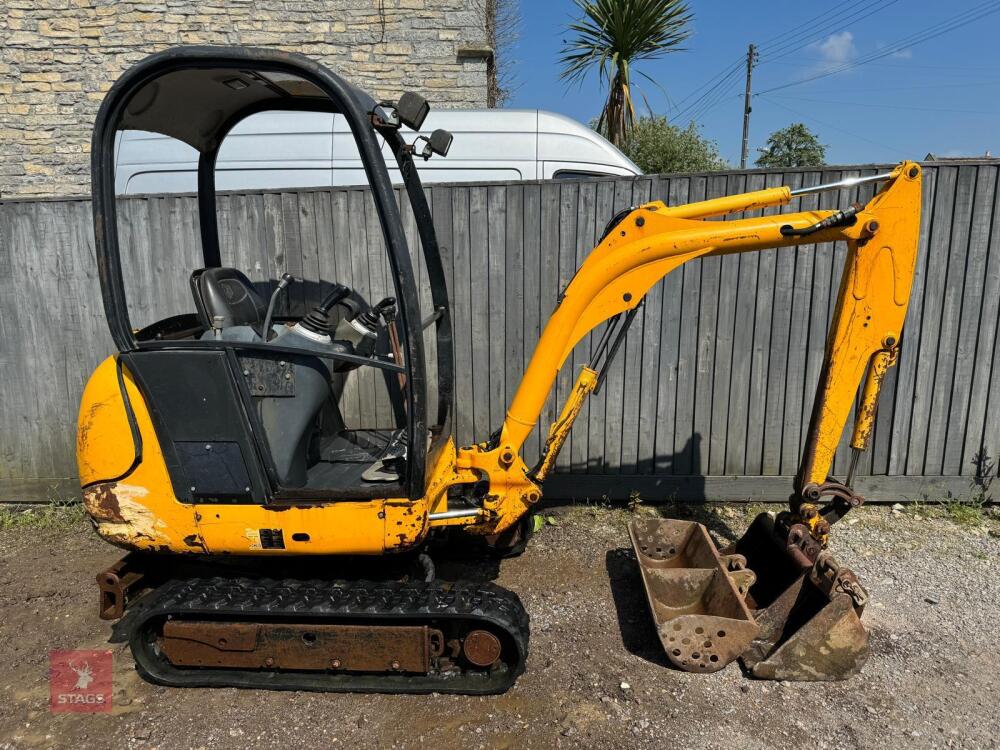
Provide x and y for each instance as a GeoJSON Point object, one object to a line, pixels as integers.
{"type": "Point", "coordinates": [60, 515]}
{"type": "Point", "coordinates": [966, 512]}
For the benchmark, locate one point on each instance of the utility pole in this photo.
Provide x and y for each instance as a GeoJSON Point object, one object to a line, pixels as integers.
{"type": "Point", "coordinates": [751, 59]}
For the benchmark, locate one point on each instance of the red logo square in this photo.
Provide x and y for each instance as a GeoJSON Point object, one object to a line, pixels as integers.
{"type": "Point", "coordinates": [80, 681]}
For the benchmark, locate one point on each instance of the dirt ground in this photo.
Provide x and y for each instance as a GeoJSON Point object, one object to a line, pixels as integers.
{"type": "Point", "coordinates": [596, 676]}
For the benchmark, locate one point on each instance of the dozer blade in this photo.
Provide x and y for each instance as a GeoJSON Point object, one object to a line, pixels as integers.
{"type": "Point", "coordinates": [773, 599]}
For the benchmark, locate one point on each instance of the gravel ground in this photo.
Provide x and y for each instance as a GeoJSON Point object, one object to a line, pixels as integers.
{"type": "Point", "coordinates": [596, 676]}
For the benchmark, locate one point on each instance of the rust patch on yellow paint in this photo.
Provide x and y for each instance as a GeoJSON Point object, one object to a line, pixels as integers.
{"type": "Point", "coordinates": [120, 517]}
{"type": "Point", "coordinates": [404, 527]}
{"type": "Point", "coordinates": [102, 504]}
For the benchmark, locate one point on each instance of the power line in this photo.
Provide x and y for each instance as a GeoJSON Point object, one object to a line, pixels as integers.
{"type": "Point", "coordinates": [893, 106]}
{"type": "Point", "coordinates": [712, 97]}
{"type": "Point", "coordinates": [723, 95]}
{"type": "Point", "coordinates": [844, 21]}
{"type": "Point", "coordinates": [817, 19]}
{"type": "Point", "coordinates": [713, 91]}
{"type": "Point", "coordinates": [962, 19]}
{"type": "Point", "coordinates": [733, 66]}
{"type": "Point", "coordinates": [922, 87]}
{"type": "Point", "coordinates": [707, 88]}
{"type": "Point", "coordinates": [910, 65]}
{"type": "Point", "coordinates": [905, 66]}
{"type": "Point", "coordinates": [717, 89]}
{"type": "Point", "coordinates": [697, 105]}
{"type": "Point", "coordinates": [958, 21]}
{"type": "Point", "coordinates": [832, 126]}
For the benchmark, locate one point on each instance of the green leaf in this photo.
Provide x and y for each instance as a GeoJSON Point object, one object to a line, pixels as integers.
{"type": "Point", "coordinates": [610, 37]}
{"type": "Point", "coordinates": [658, 147]}
{"type": "Point", "coordinates": [537, 522]}
{"type": "Point", "coordinates": [794, 146]}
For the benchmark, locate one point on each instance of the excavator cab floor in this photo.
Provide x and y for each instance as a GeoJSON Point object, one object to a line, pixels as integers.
{"type": "Point", "coordinates": [774, 600]}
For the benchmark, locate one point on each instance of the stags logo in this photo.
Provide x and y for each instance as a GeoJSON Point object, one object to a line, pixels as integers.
{"type": "Point", "coordinates": [80, 681]}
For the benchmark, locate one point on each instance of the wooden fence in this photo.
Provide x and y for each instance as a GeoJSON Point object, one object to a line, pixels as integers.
{"type": "Point", "coordinates": [709, 398]}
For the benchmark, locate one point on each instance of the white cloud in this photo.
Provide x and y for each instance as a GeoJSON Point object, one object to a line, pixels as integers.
{"type": "Point", "coordinates": [836, 49]}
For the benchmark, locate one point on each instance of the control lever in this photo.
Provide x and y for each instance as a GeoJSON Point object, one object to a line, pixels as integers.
{"type": "Point", "coordinates": [318, 320]}
{"type": "Point", "coordinates": [387, 309]}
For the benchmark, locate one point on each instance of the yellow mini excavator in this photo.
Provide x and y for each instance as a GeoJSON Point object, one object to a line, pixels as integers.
{"type": "Point", "coordinates": [214, 448]}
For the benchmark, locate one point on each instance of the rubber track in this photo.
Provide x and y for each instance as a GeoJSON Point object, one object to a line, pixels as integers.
{"type": "Point", "coordinates": [248, 599]}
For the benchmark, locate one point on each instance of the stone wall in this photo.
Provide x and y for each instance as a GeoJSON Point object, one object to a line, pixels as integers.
{"type": "Point", "coordinates": [59, 57]}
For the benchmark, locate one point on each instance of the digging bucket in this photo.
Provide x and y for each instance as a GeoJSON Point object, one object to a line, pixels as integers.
{"type": "Point", "coordinates": [697, 596]}
{"type": "Point", "coordinates": [807, 606]}
{"type": "Point", "coordinates": [773, 599]}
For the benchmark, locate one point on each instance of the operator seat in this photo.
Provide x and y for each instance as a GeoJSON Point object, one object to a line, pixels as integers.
{"type": "Point", "coordinates": [229, 294]}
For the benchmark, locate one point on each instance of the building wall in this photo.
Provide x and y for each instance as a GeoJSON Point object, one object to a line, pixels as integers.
{"type": "Point", "coordinates": [59, 57]}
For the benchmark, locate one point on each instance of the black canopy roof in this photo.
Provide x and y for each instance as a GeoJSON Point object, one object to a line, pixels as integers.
{"type": "Point", "coordinates": [198, 105]}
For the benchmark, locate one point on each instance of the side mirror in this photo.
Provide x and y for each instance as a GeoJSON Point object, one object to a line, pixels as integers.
{"type": "Point", "coordinates": [440, 142]}
{"type": "Point", "coordinates": [412, 109]}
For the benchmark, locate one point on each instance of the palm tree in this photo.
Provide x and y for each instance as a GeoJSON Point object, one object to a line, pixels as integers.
{"type": "Point", "coordinates": [613, 35]}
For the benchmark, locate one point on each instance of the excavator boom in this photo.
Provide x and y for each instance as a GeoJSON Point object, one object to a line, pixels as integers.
{"type": "Point", "coordinates": [648, 242]}
{"type": "Point", "coordinates": [779, 572]}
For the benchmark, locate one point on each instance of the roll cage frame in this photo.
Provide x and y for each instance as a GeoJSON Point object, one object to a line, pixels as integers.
{"type": "Point", "coordinates": [363, 116]}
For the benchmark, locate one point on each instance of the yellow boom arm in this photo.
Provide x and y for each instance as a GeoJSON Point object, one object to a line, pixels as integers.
{"type": "Point", "coordinates": [653, 240]}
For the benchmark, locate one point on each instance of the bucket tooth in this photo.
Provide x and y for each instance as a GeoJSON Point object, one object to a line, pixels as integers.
{"type": "Point", "coordinates": [774, 599]}
{"type": "Point", "coordinates": [696, 595]}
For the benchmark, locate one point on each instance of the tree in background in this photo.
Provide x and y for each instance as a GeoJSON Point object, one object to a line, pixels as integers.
{"type": "Point", "coordinates": [612, 36]}
{"type": "Point", "coordinates": [794, 146]}
{"type": "Point", "coordinates": [657, 147]}
{"type": "Point", "coordinates": [502, 23]}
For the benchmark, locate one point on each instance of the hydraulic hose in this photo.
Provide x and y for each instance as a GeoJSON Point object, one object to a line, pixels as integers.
{"type": "Point", "coordinates": [838, 219]}
{"type": "Point", "coordinates": [283, 282]}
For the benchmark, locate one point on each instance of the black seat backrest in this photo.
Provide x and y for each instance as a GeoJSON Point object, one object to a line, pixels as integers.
{"type": "Point", "coordinates": [228, 293]}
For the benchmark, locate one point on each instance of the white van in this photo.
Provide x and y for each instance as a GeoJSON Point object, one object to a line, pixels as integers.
{"type": "Point", "coordinates": [311, 149]}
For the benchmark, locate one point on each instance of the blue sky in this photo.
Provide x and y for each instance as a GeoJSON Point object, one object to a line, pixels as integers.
{"type": "Point", "coordinates": [939, 96]}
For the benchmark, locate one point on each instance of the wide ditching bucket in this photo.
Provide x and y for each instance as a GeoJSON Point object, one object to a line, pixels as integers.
{"type": "Point", "coordinates": [774, 599]}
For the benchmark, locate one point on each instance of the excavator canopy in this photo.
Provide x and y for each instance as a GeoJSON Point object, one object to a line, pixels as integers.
{"type": "Point", "coordinates": [197, 95]}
